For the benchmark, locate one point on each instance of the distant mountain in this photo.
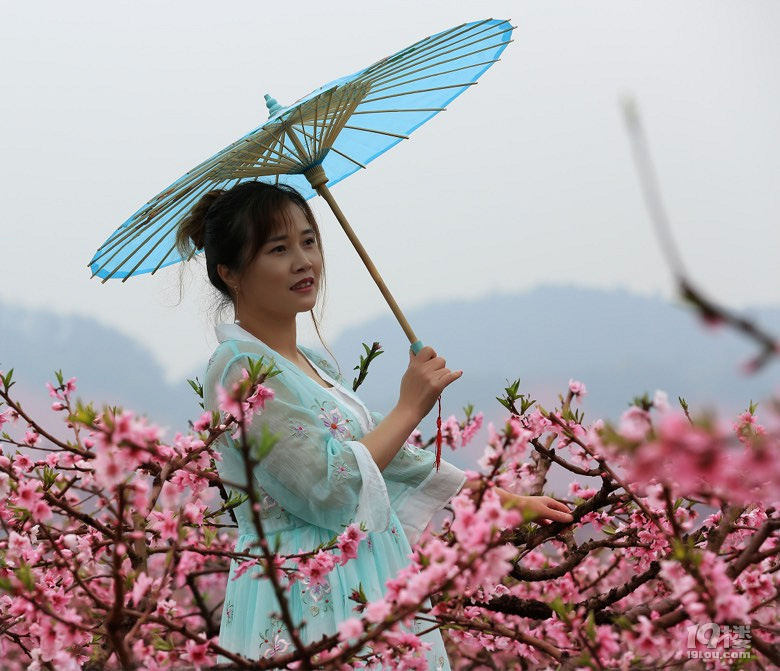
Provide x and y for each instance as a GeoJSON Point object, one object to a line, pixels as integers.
{"type": "Point", "coordinates": [109, 366]}
{"type": "Point", "coordinates": [620, 344]}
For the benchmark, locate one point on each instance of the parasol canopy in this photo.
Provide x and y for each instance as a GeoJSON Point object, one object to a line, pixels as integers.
{"type": "Point", "coordinates": [316, 142]}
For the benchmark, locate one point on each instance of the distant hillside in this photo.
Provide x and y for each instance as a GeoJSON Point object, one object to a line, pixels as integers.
{"type": "Point", "coordinates": [618, 343]}
{"type": "Point", "coordinates": [621, 345]}
{"type": "Point", "coordinates": [109, 366]}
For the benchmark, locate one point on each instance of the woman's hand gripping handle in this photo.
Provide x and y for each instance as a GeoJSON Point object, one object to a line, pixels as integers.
{"type": "Point", "coordinates": [425, 379]}
{"type": "Point", "coordinates": [423, 382]}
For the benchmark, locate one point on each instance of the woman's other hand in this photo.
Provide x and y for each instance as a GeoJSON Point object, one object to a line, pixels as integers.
{"type": "Point", "coordinates": [538, 507]}
{"type": "Point", "coordinates": [425, 379]}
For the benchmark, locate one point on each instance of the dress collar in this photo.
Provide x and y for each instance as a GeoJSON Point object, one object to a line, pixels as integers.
{"type": "Point", "coordinates": [233, 331]}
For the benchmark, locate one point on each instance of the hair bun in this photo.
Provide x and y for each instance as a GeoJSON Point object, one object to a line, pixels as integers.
{"type": "Point", "coordinates": [191, 236]}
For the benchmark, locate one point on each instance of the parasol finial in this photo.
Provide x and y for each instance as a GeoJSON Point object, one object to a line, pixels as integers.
{"type": "Point", "coordinates": [272, 105]}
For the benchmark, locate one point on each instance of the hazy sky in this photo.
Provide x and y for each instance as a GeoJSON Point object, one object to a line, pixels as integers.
{"type": "Point", "coordinates": [527, 179]}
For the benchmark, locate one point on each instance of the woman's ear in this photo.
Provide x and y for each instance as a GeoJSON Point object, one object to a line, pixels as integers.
{"type": "Point", "coordinates": [227, 276]}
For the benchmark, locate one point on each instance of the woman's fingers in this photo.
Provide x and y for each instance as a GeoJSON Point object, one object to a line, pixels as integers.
{"type": "Point", "coordinates": [544, 508]}
{"type": "Point", "coordinates": [555, 510]}
{"type": "Point", "coordinates": [425, 354]}
{"type": "Point", "coordinates": [557, 515]}
{"type": "Point", "coordinates": [424, 380]}
{"type": "Point", "coordinates": [448, 377]}
{"type": "Point", "coordinates": [436, 362]}
{"type": "Point", "coordinates": [435, 366]}
{"type": "Point", "coordinates": [555, 504]}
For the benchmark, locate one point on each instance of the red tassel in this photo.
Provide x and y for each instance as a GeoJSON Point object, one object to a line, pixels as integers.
{"type": "Point", "coordinates": [438, 437]}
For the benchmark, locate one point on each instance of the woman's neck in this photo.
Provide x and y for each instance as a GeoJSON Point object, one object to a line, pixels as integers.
{"type": "Point", "coordinates": [279, 336]}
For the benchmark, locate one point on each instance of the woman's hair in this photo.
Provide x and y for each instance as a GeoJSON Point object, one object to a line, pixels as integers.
{"type": "Point", "coordinates": [231, 226]}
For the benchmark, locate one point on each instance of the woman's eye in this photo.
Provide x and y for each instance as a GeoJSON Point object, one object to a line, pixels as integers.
{"type": "Point", "coordinates": [310, 242]}
{"type": "Point", "coordinates": [277, 249]}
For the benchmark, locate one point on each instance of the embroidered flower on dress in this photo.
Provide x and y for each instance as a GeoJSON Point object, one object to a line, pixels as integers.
{"type": "Point", "coordinates": [320, 591]}
{"type": "Point", "coordinates": [330, 370]}
{"type": "Point", "coordinates": [298, 429]}
{"type": "Point", "coordinates": [317, 598]}
{"type": "Point", "coordinates": [276, 646]}
{"type": "Point", "coordinates": [272, 642]}
{"type": "Point", "coordinates": [229, 613]}
{"type": "Point", "coordinates": [341, 470]}
{"type": "Point", "coordinates": [335, 423]}
{"type": "Point", "coordinates": [267, 504]}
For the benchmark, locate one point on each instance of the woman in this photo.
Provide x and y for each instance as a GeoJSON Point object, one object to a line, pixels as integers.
{"type": "Point", "coordinates": [335, 463]}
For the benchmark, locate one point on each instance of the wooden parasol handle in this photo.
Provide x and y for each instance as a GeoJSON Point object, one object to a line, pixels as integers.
{"type": "Point", "coordinates": [318, 180]}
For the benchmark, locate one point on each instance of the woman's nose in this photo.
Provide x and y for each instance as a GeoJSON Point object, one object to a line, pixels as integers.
{"type": "Point", "coordinates": [301, 260]}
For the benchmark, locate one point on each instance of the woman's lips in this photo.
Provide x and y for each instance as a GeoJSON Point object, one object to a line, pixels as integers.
{"type": "Point", "coordinates": [304, 285]}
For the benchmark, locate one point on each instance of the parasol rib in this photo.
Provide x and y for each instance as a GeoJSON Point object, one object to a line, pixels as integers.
{"type": "Point", "coordinates": [418, 109]}
{"type": "Point", "coordinates": [411, 93]}
{"type": "Point", "coordinates": [171, 249]}
{"type": "Point", "coordinates": [380, 132]}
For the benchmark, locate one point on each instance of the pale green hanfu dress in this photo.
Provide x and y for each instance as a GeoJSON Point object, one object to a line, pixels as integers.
{"type": "Point", "coordinates": [316, 480]}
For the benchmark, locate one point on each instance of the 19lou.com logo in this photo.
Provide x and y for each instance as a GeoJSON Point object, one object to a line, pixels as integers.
{"type": "Point", "coordinates": [720, 642]}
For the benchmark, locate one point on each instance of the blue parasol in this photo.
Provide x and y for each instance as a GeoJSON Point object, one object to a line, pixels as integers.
{"type": "Point", "coordinates": [316, 142]}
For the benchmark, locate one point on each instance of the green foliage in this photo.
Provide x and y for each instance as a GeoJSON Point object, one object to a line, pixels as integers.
{"type": "Point", "coordinates": [209, 535]}
{"type": "Point", "coordinates": [590, 626]}
{"type": "Point", "coordinates": [684, 550]}
{"type": "Point", "coordinates": [197, 387]}
{"type": "Point", "coordinates": [512, 395]}
{"type": "Point", "coordinates": [560, 608]}
{"type": "Point", "coordinates": [25, 576]}
{"type": "Point", "coordinates": [365, 361]}
{"type": "Point", "coordinates": [576, 415]}
{"type": "Point", "coordinates": [233, 500]}
{"type": "Point", "coordinates": [164, 644]}
{"type": "Point", "coordinates": [359, 595]}
{"type": "Point", "coordinates": [259, 371]}
{"type": "Point", "coordinates": [84, 414]}
{"type": "Point", "coordinates": [7, 379]}
{"type": "Point", "coordinates": [262, 445]}
{"type": "Point", "coordinates": [644, 402]}
{"type": "Point", "coordinates": [48, 477]}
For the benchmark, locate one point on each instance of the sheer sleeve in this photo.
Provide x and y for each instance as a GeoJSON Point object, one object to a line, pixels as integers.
{"type": "Point", "coordinates": [416, 489]}
{"type": "Point", "coordinates": [314, 471]}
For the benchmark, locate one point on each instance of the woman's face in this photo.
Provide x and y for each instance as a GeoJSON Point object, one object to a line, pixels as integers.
{"type": "Point", "coordinates": [283, 278]}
